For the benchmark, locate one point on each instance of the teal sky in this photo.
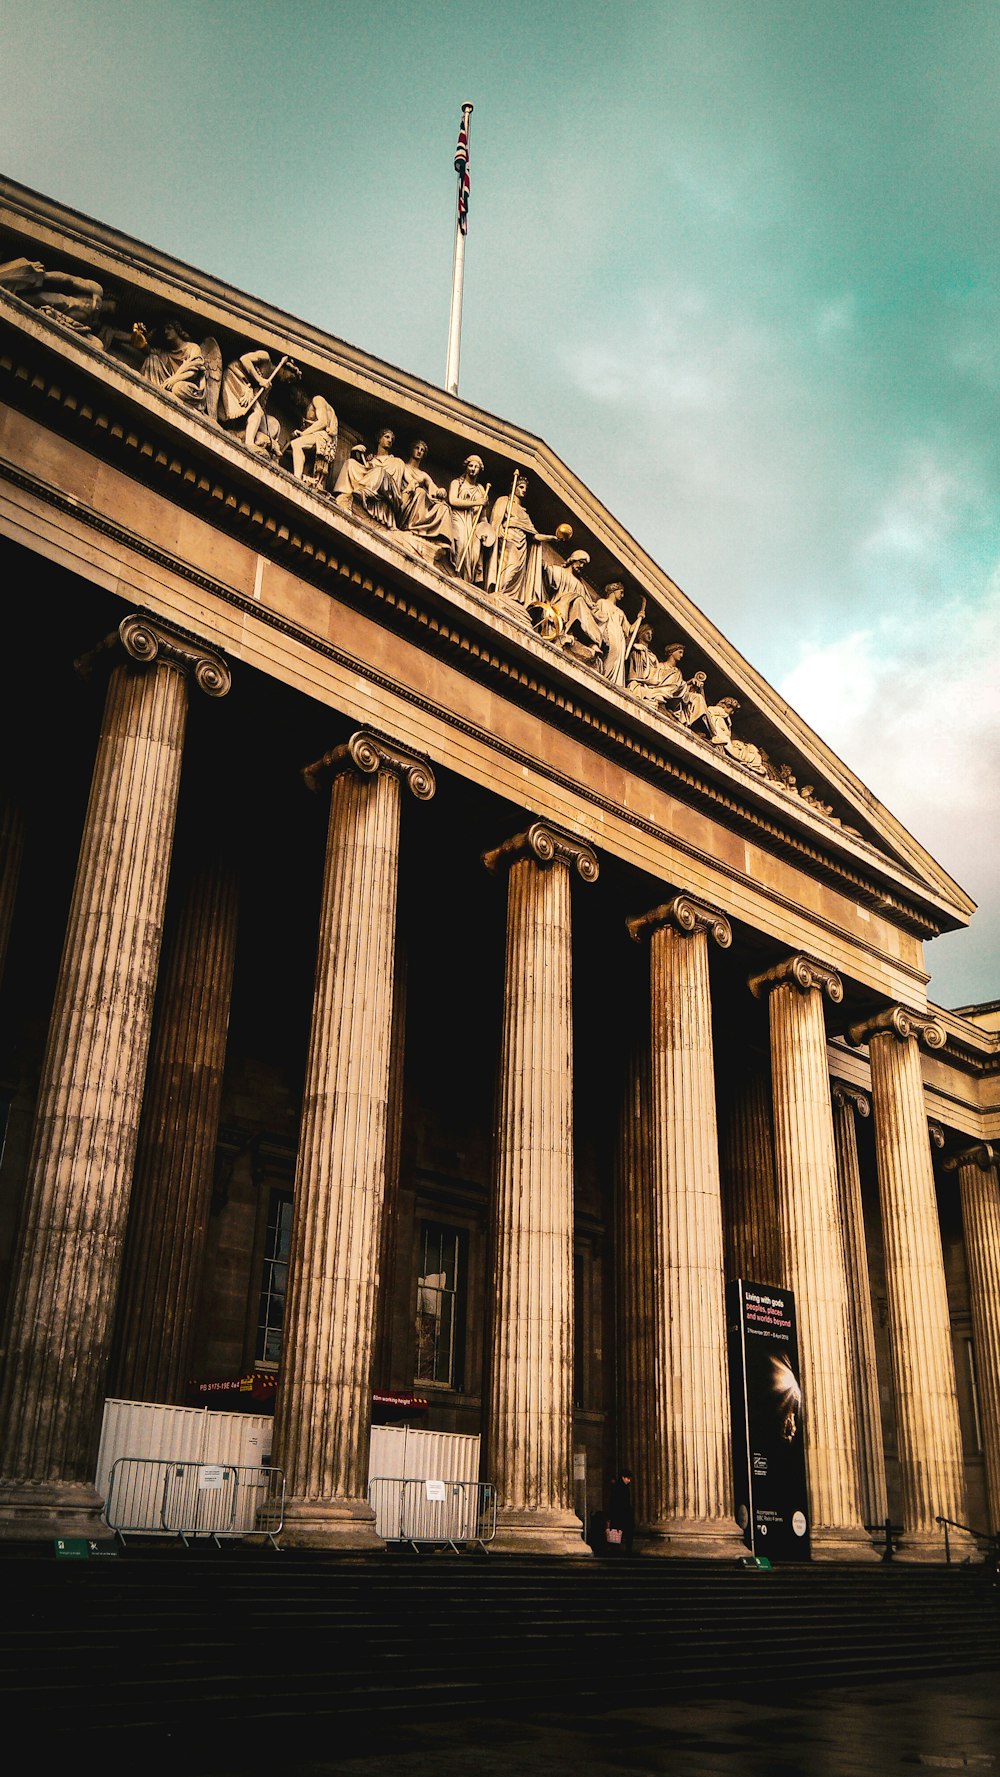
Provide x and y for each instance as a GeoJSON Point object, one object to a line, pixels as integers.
{"type": "Point", "coordinates": [737, 262]}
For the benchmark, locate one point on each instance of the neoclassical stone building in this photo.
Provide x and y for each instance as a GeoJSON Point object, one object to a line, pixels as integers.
{"type": "Point", "coordinates": [435, 961]}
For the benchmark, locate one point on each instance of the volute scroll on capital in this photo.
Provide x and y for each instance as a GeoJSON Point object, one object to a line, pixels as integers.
{"type": "Point", "coordinates": [368, 753]}
{"type": "Point", "coordinates": [850, 1098]}
{"type": "Point", "coordinates": [936, 1132]}
{"type": "Point", "coordinates": [801, 971]}
{"type": "Point", "coordinates": [686, 915]}
{"type": "Point", "coordinates": [983, 1154]}
{"type": "Point", "coordinates": [899, 1022]}
{"type": "Point", "coordinates": [147, 639]}
{"type": "Point", "coordinates": [547, 845]}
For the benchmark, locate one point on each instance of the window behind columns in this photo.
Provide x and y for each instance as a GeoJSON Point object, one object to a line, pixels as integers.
{"type": "Point", "coordinates": [440, 1307]}
{"type": "Point", "coordinates": [274, 1278]}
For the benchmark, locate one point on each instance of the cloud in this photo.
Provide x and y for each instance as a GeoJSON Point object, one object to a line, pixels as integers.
{"type": "Point", "coordinates": [931, 499]}
{"type": "Point", "coordinates": [836, 317]}
{"type": "Point", "coordinates": [914, 709]}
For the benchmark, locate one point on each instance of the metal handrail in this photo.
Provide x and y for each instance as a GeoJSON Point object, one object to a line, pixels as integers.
{"type": "Point", "coordinates": [989, 1537]}
{"type": "Point", "coordinates": [890, 1531]}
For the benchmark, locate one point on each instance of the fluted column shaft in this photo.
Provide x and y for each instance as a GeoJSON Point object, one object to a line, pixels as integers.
{"type": "Point", "coordinates": [688, 1508]}
{"type": "Point", "coordinates": [750, 1194]}
{"type": "Point", "coordinates": [171, 1195]}
{"type": "Point", "coordinates": [813, 1251]}
{"type": "Point", "coordinates": [529, 1433]}
{"type": "Point", "coordinates": [637, 1404]}
{"type": "Point", "coordinates": [323, 1409]}
{"type": "Point", "coordinates": [847, 1104]}
{"type": "Point", "coordinates": [90, 1093]}
{"type": "Point", "coordinates": [389, 1232]}
{"type": "Point", "coordinates": [977, 1178]}
{"type": "Point", "coordinates": [932, 1478]}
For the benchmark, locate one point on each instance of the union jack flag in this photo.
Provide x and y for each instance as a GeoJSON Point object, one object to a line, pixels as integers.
{"type": "Point", "coordinates": [462, 169]}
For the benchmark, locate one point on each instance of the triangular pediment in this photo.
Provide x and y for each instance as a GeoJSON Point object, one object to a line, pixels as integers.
{"type": "Point", "coordinates": [182, 344]}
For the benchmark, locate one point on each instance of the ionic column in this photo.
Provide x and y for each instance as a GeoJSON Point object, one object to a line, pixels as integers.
{"type": "Point", "coordinates": [529, 1424]}
{"type": "Point", "coordinates": [11, 852]}
{"type": "Point", "coordinates": [750, 1195]}
{"type": "Point", "coordinates": [847, 1104]}
{"type": "Point", "coordinates": [323, 1409]}
{"type": "Point", "coordinates": [172, 1189]}
{"type": "Point", "coordinates": [932, 1476]}
{"type": "Point", "coordinates": [812, 1248]}
{"type": "Point", "coordinates": [389, 1232]}
{"type": "Point", "coordinates": [977, 1180]}
{"type": "Point", "coordinates": [90, 1093]}
{"type": "Point", "coordinates": [637, 1404]}
{"type": "Point", "coordinates": [688, 1503]}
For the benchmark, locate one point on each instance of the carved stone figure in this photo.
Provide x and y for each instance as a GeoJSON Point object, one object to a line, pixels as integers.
{"type": "Point", "coordinates": [693, 700]}
{"type": "Point", "coordinates": [808, 794]}
{"type": "Point", "coordinates": [175, 365]}
{"type": "Point", "coordinates": [617, 634]}
{"type": "Point", "coordinates": [513, 565]}
{"type": "Point", "coordinates": [383, 500]}
{"type": "Point", "coordinates": [467, 500]}
{"type": "Point", "coordinates": [718, 719]}
{"type": "Point", "coordinates": [653, 681]}
{"type": "Point", "coordinates": [78, 304]}
{"type": "Point", "coordinates": [424, 512]}
{"type": "Point", "coordinates": [353, 479]}
{"type": "Point", "coordinates": [562, 583]}
{"type": "Point", "coordinates": [315, 443]}
{"type": "Point", "coordinates": [246, 384]}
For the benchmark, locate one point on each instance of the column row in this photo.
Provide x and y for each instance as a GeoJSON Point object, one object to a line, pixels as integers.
{"type": "Point", "coordinates": [674, 1395]}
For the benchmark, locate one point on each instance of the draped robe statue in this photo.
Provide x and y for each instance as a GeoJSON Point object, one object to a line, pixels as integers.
{"type": "Point", "coordinates": [514, 562]}
{"type": "Point", "coordinates": [466, 501]}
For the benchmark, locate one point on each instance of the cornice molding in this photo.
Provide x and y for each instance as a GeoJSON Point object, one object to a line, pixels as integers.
{"type": "Point", "coordinates": [684, 914]}
{"type": "Point", "coordinates": [546, 845]}
{"type": "Point", "coordinates": [147, 639]}
{"type": "Point", "coordinates": [900, 1022]}
{"type": "Point", "coordinates": [806, 973]}
{"type": "Point", "coordinates": [367, 754]}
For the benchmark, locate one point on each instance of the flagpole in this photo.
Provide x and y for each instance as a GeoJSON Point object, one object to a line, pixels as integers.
{"type": "Point", "coordinates": [458, 268]}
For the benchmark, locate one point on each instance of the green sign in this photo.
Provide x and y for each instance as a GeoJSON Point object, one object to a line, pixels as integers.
{"type": "Point", "coordinates": [72, 1548]}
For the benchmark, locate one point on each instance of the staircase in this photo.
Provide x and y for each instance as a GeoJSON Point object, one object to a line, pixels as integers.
{"type": "Point", "coordinates": [238, 1644]}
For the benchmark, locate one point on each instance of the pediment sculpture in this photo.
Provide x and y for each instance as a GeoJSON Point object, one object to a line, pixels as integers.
{"type": "Point", "coordinates": [458, 524]}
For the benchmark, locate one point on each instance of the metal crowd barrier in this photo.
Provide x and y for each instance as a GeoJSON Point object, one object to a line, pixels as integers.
{"type": "Point", "coordinates": [442, 1512]}
{"type": "Point", "coordinates": [150, 1496]}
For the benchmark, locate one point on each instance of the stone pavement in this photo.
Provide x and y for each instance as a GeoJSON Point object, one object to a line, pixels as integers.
{"type": "Point", "coordinates": [877, 1731]}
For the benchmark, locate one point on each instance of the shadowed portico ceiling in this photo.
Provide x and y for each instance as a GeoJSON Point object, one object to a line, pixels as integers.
{"type": "Point", "coordinates": [755, 760]}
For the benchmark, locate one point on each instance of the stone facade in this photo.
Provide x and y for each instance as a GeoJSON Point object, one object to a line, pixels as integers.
{"type": "Point", "coordinates": [293, 1087]}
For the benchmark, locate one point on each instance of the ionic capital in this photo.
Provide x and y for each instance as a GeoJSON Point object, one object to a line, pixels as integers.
{"type": "Point", "coordinates": [367, 754]}
{"type": "Point", "coordinates": [146, 639]}
{"type": "Point", "coordinates": [983, 1155]}
{"type": "Point", "coordinates": [851, 1098]}
{"type": "Point", "coordinates": [685, 915]}
{"type": "Point", "coordinates": [899, 1022]}
{"type": "Point", "coordinates": [936, 1132]}
{"type": "Point", "coordinates": [547, 845]}
{"type": "Point", "coordinates": [801, 971]}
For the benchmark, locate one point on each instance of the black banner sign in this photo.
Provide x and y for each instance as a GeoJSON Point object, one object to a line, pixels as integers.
{"type": "Point", "coordinates": [769, 1467]}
